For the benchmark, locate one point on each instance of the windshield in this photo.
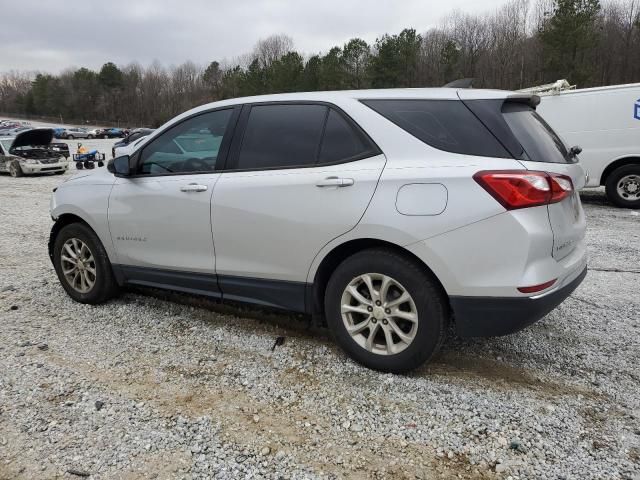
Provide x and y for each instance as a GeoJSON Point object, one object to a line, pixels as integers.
{"type": "Point", "coordinates": [535, 135]}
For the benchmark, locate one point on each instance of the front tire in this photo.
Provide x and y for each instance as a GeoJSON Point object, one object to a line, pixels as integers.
{"type": "Point", "coordinates": [15, 170]}
{"type": "Point", "coordinates": [623, 186]}
{"type": "Point", "coordinates": [70, 137]}
{"type": "Point", "coordinates": [82, 265]}
{"type": "Point", "coordinates": [385, 311]}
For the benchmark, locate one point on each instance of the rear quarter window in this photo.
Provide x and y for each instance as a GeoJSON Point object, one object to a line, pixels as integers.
{"type": "Point", "coordinates": [443, 124]}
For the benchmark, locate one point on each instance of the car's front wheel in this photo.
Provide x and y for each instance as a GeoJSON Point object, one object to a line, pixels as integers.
{"type": "Point", "coordinates": [15, 170]}
{"type": "Point", "coordinates": [385, 311]}
{"type": "Point", "coordinates": [82, 265]}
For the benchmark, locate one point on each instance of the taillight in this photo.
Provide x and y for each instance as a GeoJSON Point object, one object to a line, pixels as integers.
{"type": "Point", "coordinates": [561, 187]}
{"type": "Point", "coordinates": [515, 189]}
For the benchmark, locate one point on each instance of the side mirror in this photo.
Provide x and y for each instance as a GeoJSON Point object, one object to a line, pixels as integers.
{"type": "Point", "coordinates": [575, 150]}
{"type": "Point", "coordinates": [119, 166]}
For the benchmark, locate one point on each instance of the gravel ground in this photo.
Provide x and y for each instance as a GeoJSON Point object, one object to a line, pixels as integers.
{"type": "Point", "coordinates": [169, 386]}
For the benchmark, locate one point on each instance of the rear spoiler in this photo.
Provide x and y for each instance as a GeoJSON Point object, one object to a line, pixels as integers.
{"type": "Point", "coordinates": [532, 100]}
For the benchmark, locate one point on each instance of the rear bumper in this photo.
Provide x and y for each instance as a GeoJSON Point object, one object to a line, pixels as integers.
{"type": "Point", "coordinates": [496, 316]}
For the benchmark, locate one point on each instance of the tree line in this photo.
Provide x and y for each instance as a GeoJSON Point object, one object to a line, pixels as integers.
{"type": "Point", "coordinates": [524, 43]}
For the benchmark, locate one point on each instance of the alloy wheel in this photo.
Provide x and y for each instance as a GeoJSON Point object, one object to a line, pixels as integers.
{"type": "Point", "coordinates": [379, 314]}
{"type": "Point", "coordinates": [78, 265]}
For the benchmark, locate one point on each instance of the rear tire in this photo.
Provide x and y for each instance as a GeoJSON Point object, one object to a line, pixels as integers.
{"type": "Point", "coordinates": [405, 335]}
{"type": "Point", "coordinates": [15, 170]}
{"type": "Point", "coordinates": [79, 165]}
{"type": "Point", "coordinates": [623, 186]}
{"type": "Point", "coordinates": [103, 284]}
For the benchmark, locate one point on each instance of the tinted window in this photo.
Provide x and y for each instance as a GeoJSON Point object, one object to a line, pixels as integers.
{"type": "Point", "coordinates": [341, 141]}
{"type": "Point", "coordinates": [444, 124]}
{"type": "Point", "coordinates": [535, 135]}
{"type": "Point", "coordinates": [190, 146]}
{"type": "Point", "coordinates": [282, 136]}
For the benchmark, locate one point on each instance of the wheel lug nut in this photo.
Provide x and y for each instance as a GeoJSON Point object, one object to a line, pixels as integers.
{"type": "Point", "coordinates": [378, 302]}
{"type": "Point", "coordinates": [387, 310]}
{"type": "Point", "coordinates": [384, 321]}
{"type": "Point", "coordinates": [373, 320]}
{"type": "Point", "coordinates": [370, 309]}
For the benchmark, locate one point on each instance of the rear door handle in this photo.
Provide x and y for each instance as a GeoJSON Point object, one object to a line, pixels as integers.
{"type": "Point", "coordinates": [193, 187]}
{"type": "Point", "coordinates": [335, 182]}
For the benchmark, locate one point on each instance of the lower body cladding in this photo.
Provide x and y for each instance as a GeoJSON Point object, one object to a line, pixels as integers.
{"type": "Point", "coordinates": [474, 316]}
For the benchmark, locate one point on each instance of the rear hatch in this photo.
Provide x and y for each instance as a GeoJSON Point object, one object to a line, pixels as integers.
{"type": "Point", "coordinates": [531, 141]}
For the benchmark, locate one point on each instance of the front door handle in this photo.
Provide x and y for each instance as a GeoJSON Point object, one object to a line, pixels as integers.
{"type": "Point", "coordinates": [193, 187]}
{"type": "Point", "coordinates": [335, 182]}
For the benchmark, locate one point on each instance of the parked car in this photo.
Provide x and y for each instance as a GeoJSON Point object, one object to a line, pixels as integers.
{"type": "Point", "coordinates": [115, 133]}
{"type": "Point", "coordinates": [129, 139]}
{"type": "Point", "coordinates": [387, 213]}
{"type": "Point", "coordinates": [12, 132]}
{"type": "Point", "coordinates": [58, 132]}
{"type": "Point", "coordinates": [73, 132]}
{"type": "Point", "coordinates": [605, 123]}
{"type": "Point", "coordinates": [95, 133]}
{"type": "Point", "coordinates": [31, 152]}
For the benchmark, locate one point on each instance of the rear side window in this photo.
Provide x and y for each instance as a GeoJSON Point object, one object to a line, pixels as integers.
{"type": "Point", "coordinates": [535, 135]}
{"type": "Point", "coordinates": [282, 136]}
{"type": "Point", "coordinates": [341, 141]}
{"type": "Point", "coordinates": [443, 124]}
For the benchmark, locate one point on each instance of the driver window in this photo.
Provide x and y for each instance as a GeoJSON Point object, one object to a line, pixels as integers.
{"type": "Point", "coordinates": [191, 146]}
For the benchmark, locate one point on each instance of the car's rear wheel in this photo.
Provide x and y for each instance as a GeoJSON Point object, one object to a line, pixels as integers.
{"type": "Point", "coordinates": [90, 137]}
{"type": "Point", "coordinates": [70, 137]}
{"type": "Point", "coordinates": [385, 311]}
{"type": "Point", "coordinates": [623, 186]}
{"type": "Point", "coordinates": [82, 265]}
{"type": "Point", "coordinates": [15, 170]}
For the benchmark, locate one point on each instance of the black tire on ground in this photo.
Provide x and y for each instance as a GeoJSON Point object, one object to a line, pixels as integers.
{"type": "Point", "coordinates": [431, 304]}
{"type": "Point", "coordinates": [79, 165]}
{"type": "Point", "coordinates": [101, 163]}
{"type": "Point", "coordinates": [90, 137]}
{"type": "Point", "coordinates": [616, 178]}
{"type": "Point", "coordinates": [105, 286]}
{"type": "Point", "coordinates": [88, 165]}
{"type": "Point", "coordinates": [69, 137]}
{"type": "Point", "coordinates": [15, 170]}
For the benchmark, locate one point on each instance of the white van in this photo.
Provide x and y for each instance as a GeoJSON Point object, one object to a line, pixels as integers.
{"type": "Point", "coordinates": [605, 122]}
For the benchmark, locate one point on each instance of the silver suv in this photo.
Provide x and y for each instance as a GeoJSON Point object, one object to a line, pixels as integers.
{"type": "Point", "coordinates": [387, 213]}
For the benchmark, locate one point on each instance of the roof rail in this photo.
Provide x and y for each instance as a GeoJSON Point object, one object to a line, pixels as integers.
{"type": "Point", "coordinates": [550, 88]}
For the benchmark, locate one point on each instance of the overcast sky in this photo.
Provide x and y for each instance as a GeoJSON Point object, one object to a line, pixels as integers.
{"type": "Point", "coordinates": [49, 35]}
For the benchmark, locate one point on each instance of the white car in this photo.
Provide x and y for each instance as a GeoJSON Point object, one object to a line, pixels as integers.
{"type": "Point", "coordinates": [387, 213]}
{"type": "Point", "coordinates": [31, 152]}
{"type": "Point", "coordinates": [605, 123]}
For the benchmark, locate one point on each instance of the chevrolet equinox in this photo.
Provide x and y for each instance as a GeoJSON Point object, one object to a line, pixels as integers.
{"type": "Point", "coordinates": [388, 213]}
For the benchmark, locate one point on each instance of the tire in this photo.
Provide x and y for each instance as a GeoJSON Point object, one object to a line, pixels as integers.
{"type": "Point", "coordinates": [15, 170]}
{"type": "Point", "coordinates": [79, 165]}
{"type": "Point", "coordinates": [104, 284]}
{"type": "Point", "coordinates": [69, 137]}
{"type": "Point", "coordinates": [89, 137]}
{"type": "Point", "coordinates": [428, 305]}
{"type": "Point", "coordinates": [105, 136]}
{"type": "Point", "coordinates": [623, 186]}
{"type": "Point", "coordinates": [88, 165]}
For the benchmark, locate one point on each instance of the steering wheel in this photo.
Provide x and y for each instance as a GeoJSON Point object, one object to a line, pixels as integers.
{"type": "Point", "coordinates": [196, 165]}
